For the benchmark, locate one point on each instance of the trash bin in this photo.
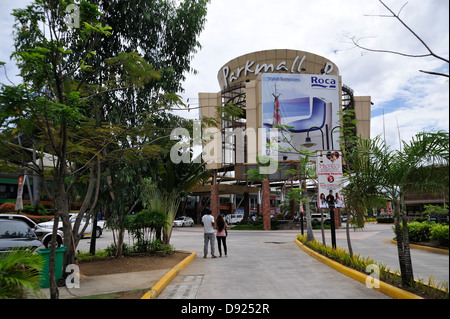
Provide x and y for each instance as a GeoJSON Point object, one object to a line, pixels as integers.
{"type": "Point", "coordinates": [44, 281]}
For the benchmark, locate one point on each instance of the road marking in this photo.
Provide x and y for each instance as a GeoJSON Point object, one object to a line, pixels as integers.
{"type": "Point", "coordinates": [186, 288]}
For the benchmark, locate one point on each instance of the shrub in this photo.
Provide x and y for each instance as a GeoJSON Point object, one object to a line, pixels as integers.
{"type": "Point", "coordinates": [144, 227]}
{"type": "Point", "coordinates": [29, 209]}
{"type": "Point", "coordinates": [440, 233]}
{"type": "Point", "coordinates": [385, 220]}
{"type": "Point", "coordinates": [420, 232]}
{"type": "Point", "coordinates": [19, 271]}
{"type": "Point", "coordinates": [40, 219]}
{"type": "Point", "coordinates": [8, 208]}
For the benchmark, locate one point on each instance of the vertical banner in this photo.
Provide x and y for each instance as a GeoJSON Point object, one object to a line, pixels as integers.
{"type": "Point", "coordinates": [329, 173]}
{"type": "Point", "coordinates": [389, 209]}
{"type": "Point", "coordinates": [19, 202]}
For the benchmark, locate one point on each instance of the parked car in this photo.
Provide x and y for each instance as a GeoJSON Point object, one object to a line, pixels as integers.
{"type": "Point", "coordinates": [16, 233]}
{"type": "Point", "coordinates": [49, 224]}
{"type": "Point", "coordinates": [183, 221]}
{"type": "Point", "coordinates": [233, 218]}
{"type": "Point", "coordinates": [44, 234]}
{"type": "Point", "coordinates": [88, 230]}
{"type": "Point", "coordinates": [318, 217]}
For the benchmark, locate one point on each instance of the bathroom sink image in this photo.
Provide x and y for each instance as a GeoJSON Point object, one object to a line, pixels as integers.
{"type": "Point", "coordinates": [301, 117]}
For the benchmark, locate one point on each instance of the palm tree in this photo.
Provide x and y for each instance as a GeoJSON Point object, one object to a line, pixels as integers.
{"type": "Point", "coordinates": [379, 174]}
{"type": "Point", "coordinates": [19, 271]}
{"type": "Point", "coordinates": [171, 183]}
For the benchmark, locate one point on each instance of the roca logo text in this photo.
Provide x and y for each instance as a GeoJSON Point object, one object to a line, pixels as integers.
{"type": "Point", "coordinates": [325, 83]}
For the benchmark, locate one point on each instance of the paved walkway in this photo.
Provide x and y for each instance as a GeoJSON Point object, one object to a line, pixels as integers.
{"type": "Point", "coordinates": [269, 265]}
{"type": "Point", "coordinates": [261, 265]}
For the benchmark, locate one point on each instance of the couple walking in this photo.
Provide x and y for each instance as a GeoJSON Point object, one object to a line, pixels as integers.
{"type": "Point", "coordinates": [221, 235]}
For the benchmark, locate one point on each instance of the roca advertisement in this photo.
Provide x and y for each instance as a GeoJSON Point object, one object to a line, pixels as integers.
{"type": "Point", "coordinates": [305, 104]}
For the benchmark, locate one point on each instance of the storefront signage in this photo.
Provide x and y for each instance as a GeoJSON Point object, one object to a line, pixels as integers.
{"type": "Point", "coordinates": [250, 67]}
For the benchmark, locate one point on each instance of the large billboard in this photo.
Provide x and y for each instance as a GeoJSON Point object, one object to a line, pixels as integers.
{"type": "Point", "coordinates": [308, 105]}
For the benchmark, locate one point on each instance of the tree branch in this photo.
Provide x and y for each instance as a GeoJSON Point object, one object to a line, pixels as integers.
{"type": "Point", "coordinates": [397, 16]}
{"type": "Point", "coordinates": [434, 73]}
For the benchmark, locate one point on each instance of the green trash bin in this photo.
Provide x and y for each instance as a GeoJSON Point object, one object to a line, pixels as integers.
{"type": "Point", "coordinates": [44, 281]}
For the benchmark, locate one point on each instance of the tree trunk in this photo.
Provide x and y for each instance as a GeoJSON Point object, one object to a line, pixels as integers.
{"type": "Point", "coordinates": [408, 277]}
{"type": "Point", "coordinates": [54, 292]}
{"type": "Point", "coordinates": [347, 231]}
{"type": "Point", "coordinates": [322, 228]}
{"type": "Point", "coordinates": [119, 244]}
{"type": "Point", "coordinates": [266, 203]}
{"type": "Point", "coordinates": [404, 254]}
{"type": "Point", "coordinates": [309, 230]}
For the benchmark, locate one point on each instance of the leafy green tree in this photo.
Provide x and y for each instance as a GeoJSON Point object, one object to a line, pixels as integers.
{"type": "Point", "coordinates": [58, 107]}
{"type": "Point", "coordinates": [89, 94]}
{"type": "Point", "coordinates": [165, 34]}
{"type": "Point", "coordinates": [48, 104]}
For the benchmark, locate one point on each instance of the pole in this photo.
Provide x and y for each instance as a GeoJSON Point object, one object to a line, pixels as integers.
{"type": "Point", "coordinates": [333, 228]}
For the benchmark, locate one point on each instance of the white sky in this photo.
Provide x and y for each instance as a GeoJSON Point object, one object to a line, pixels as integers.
{"type": "Point", "coordinates": [416, 101]}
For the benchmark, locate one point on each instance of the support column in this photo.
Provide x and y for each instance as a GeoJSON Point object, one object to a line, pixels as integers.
{"type": "Point", "coordinates": [258, 203]}
{"type": "Point", "coordinates": [292, 208]}
{"type": "Point", "coordinates": [266, 203]}
{"type": "Point", "coordinates": [246, 206]}
{"type": "Point", "coordinates": [198, 209]}
{"type": "Point", "coordinates": [215, 205]}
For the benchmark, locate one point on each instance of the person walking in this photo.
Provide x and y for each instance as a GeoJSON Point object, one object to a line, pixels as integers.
{"type": "Point", "coordinates": [208, 224]}
{"type": "Point", "coordinates": [221, 235]}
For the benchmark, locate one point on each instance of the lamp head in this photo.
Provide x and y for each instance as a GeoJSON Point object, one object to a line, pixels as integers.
{"type": "Point", "coordinates": [308, 143]}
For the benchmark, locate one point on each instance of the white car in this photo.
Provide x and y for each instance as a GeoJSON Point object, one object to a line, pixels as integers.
{"type": "Point", "coordinates": [233, 218]}
{"type": "Point", "coordinates": [183, 221]}
{"type": "Point", "coordinates": [73, 217]}
{"type": "Point", "coordinates": [318, 217]}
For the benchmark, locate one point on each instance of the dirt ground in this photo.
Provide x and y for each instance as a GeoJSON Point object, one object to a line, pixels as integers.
{"type": "Point", "coordinates": [130, 264]}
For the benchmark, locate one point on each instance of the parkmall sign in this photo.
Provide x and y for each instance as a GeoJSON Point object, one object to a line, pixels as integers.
{"type": "Point", "coordinates": [252, 67]}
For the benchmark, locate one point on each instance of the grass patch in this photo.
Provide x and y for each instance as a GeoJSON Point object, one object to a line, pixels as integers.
{"type": "Point", "coordinates": [132, 294]}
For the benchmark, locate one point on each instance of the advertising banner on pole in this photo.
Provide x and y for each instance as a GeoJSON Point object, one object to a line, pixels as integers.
{"type": "Point", "coordinates": [19, 201]}
{"type": "Point", "coordinates": [329, 173]}
{"type": "Point", "coordinates": [307, 104]}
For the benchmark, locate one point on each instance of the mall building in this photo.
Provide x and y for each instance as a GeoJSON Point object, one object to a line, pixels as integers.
{"type": "Point", "coordinates": [296, 90]}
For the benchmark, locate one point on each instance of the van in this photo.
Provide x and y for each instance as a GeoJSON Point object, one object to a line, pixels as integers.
{"type": "Point", "coordinates": [233, 218]}
{"type": "Point", "coordinates": [318, 217]}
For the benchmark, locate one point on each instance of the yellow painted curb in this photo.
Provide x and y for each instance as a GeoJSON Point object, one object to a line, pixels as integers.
{"type": "Point", "coordinates": [385, 288]}
{"type": "Point", "coordinates": [430, 249]}
{"type": "Point", "coordinates": [167, 278]}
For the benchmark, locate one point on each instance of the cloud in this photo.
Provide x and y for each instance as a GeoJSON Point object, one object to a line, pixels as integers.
{"type": "Point", "coordinates": [418, 102]}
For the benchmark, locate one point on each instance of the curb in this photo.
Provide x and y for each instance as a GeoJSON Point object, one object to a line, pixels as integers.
{"type": "Point", "coordinates": [154, 292]}
{"type": "Point", "coordinates": [384, 288]}
{"type": "Point", "coordinates": [430, 249]}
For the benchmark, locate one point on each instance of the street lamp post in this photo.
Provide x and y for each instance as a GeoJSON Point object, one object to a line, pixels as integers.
{"type": "Point", "coordinates": [308, 143]}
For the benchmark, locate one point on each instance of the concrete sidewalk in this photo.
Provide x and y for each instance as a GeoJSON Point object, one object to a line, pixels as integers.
{"type": "Point", "coordinates": [97, 285]}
